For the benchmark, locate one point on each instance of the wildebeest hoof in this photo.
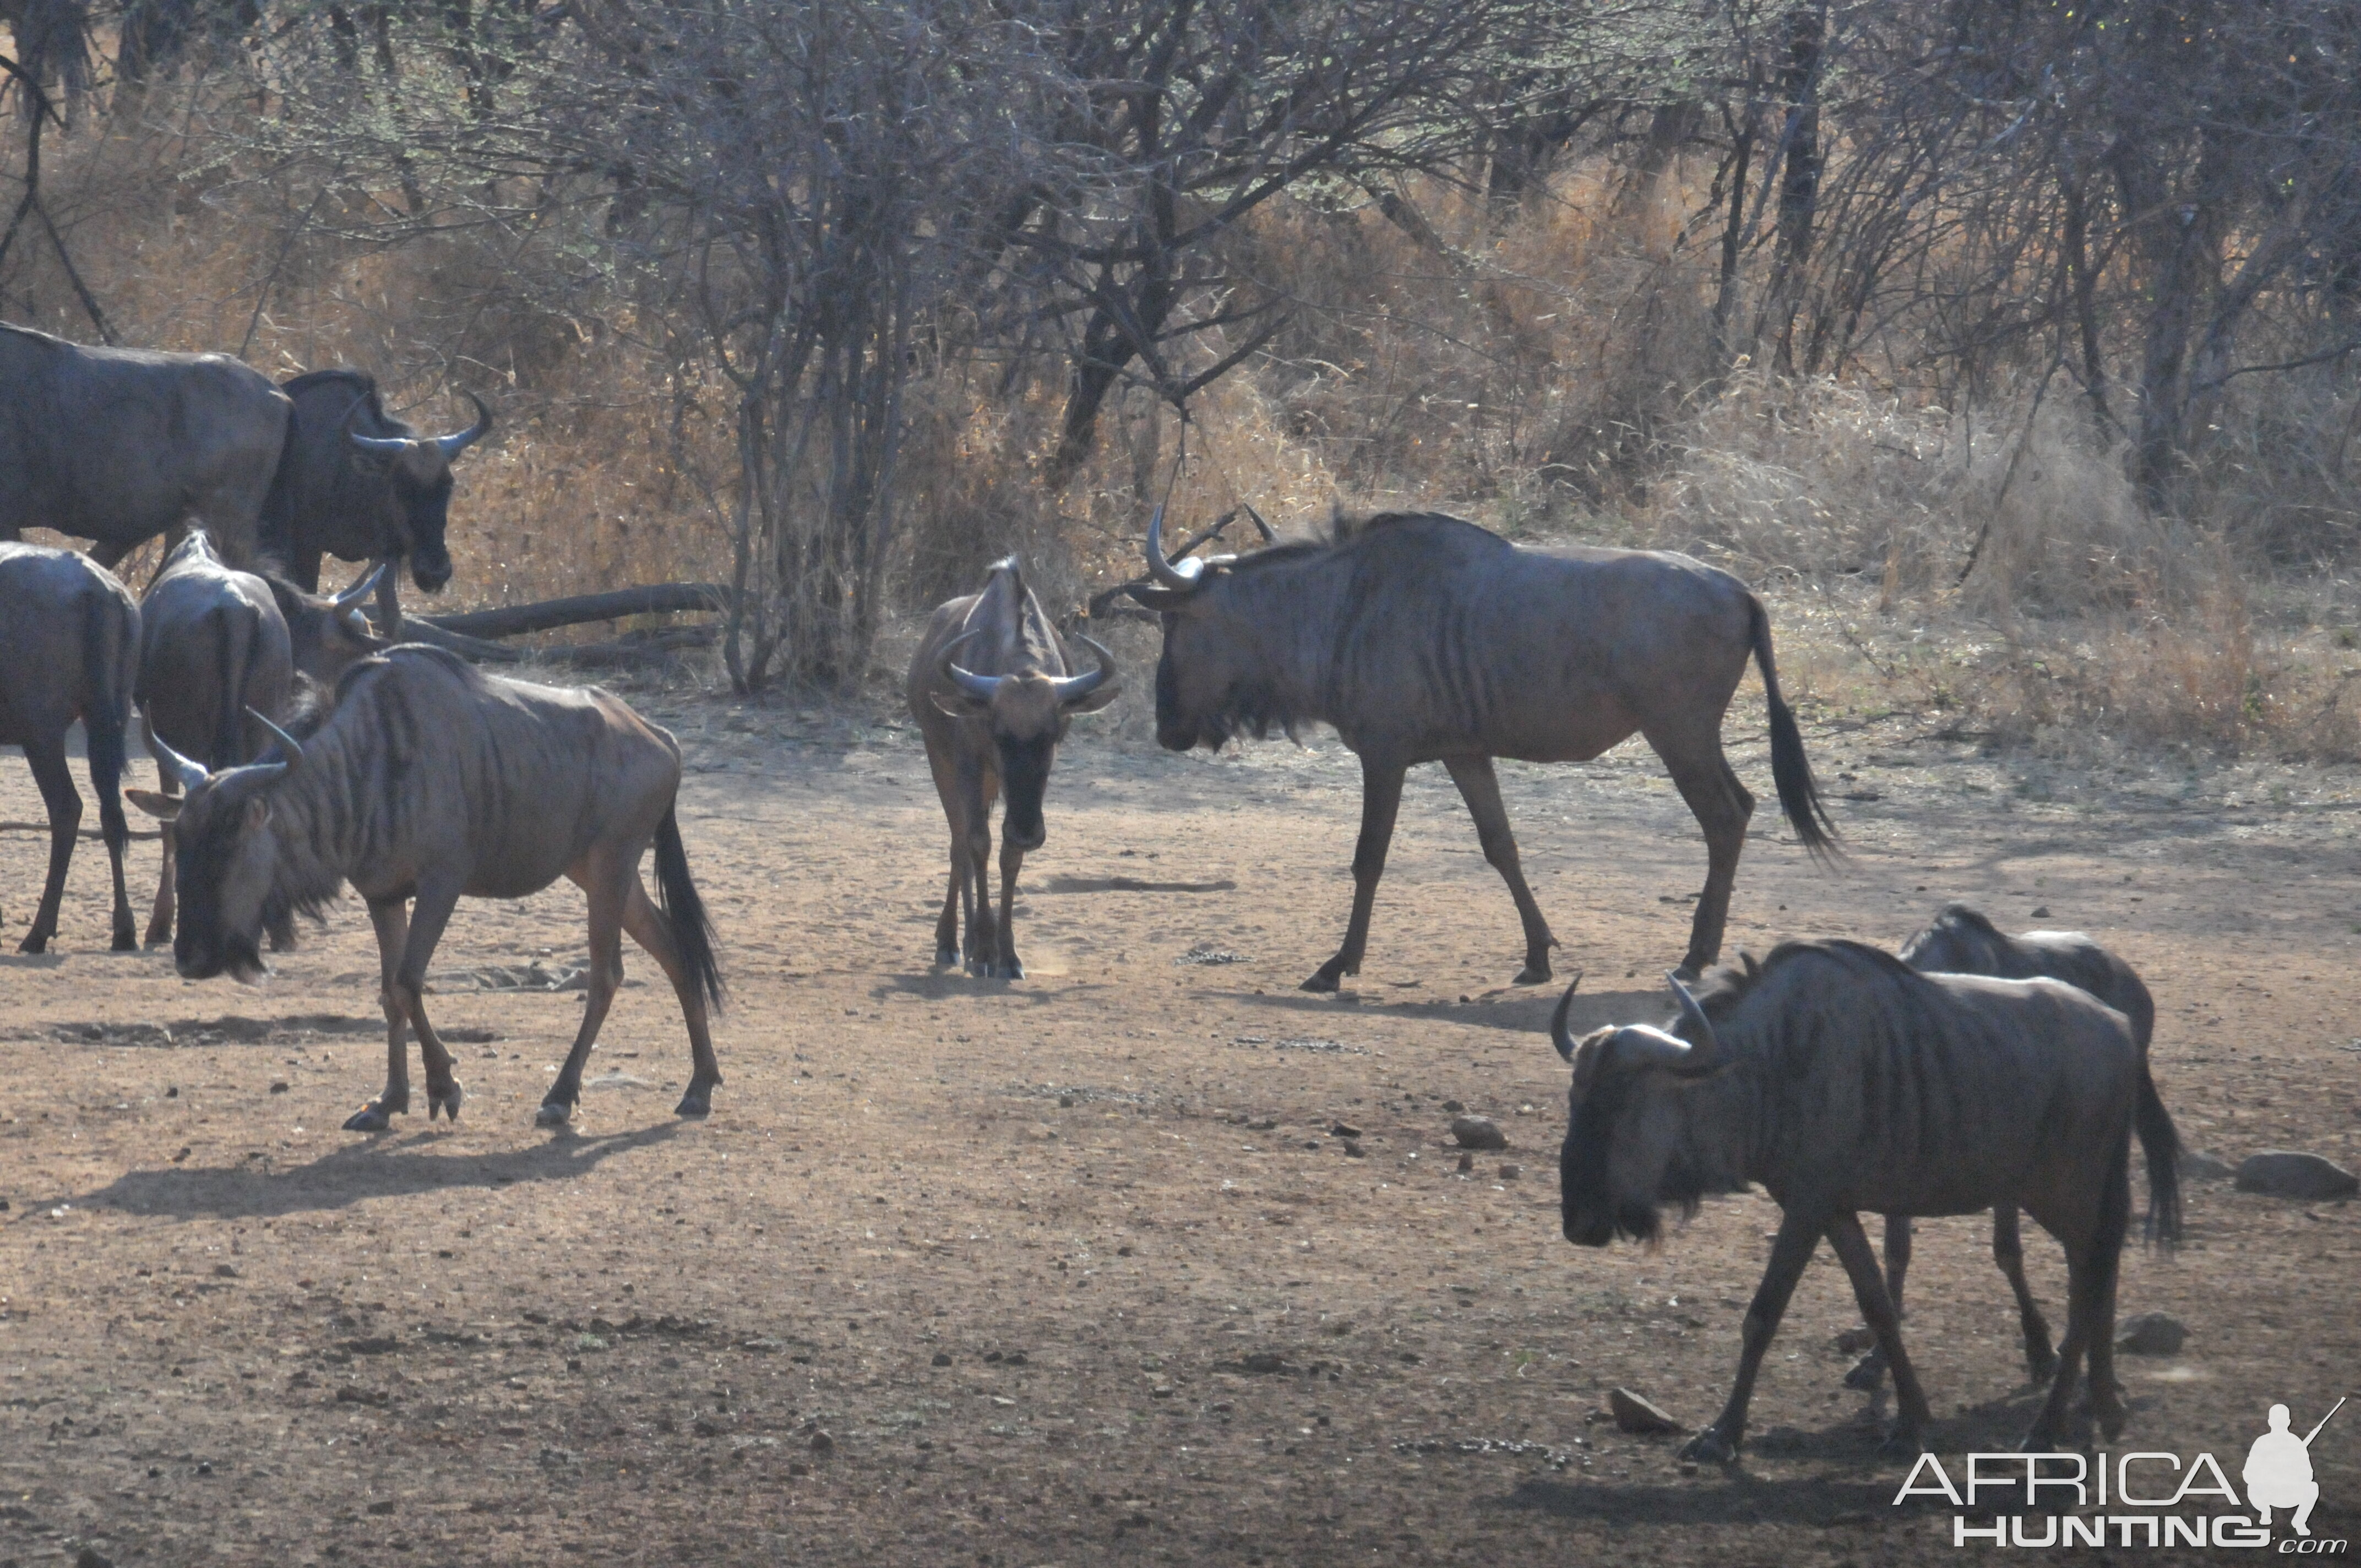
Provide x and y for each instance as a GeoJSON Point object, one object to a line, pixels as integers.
{"type": "Point", "coordinates": [125, 942]}
{"type": "Point", "coordinates": [1012, 970]}
{"type": "Point", "coordinates": [1532, 974]}
{"type": "Point", "coordinates": [947, 957]}
{"type": "Point", "coordinates": [446, 1100]}
{"type": "Point", "coordinates": [369, 1118]}
{"type": "Point", "coordinates": [158, 936]}
{"type": "Point", "coordinates": [695, 1103]}
{"type": "Point", "coordinates": [1687, 974]}
{"type": "Point", "coordinates": [1326, 979]}
{"type": "Point", "coordinates": [553, 1114]}
{"type": "Point", "coordinates": [32, 944]}
{"type": "Point", "coordinates": [1867, 1373]}
{"type": "Point", "coordinates": [2041, 1369]}
{"type": "Point", "coordinates": [1902, 1442]}
{"type": "Point", "coordinates": [1707, 1447]}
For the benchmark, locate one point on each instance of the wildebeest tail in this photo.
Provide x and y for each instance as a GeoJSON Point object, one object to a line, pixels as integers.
{"type": "Point", "coordinates": [110, 662]}
{"type": "Point", "coordinates": [692, 927]}
{"type": "Point", "coordinates": [1799, 796]}
{"type": "Point", "coordinates": [2160, 1140]}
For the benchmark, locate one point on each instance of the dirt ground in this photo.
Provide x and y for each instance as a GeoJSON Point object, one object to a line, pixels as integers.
{"type": "Point", "coordinates": [1072, 1270]}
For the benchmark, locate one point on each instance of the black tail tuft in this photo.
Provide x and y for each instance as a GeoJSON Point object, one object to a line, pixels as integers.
{"type": "Point", "coordinates": [110, 669]}
{"type": "Point", "coordinates": [1799, 796]}
{"type": "Point", "coordinates": [692, 927]}
{"type": "Point", "coordinates": [2160, 1140]}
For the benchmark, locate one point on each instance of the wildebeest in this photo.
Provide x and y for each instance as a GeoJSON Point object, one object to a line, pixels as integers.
{"type": "Point", "coordinates": [218, 646]}
{"type": "Point", "coordinates": [69, 650]}
{"type": "Point", "coordinates": [1962, 940]}
{"type": "Point", "coordinates": [1843, 1081]}
{"type": "Point", "coordinates": [429, 780]}
{"type": "Point", "coordinates": [992, 691]}
{"type": "Point", "coordinates": [360, 484]}
{"type": "Point", "coordinates": [1422, 638]}
{"type": "Point", "coordinates": [117, 445]}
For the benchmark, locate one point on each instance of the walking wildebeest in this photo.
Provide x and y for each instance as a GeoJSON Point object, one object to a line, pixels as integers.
{"type": "Point", "coordinates": [217, 647]}
{"type": "Point", "coordinates": [991, 693]}
{"type": "Point", "coordinates": [1963, 941]}
{"type": "Point", "coordinates": [69, 650]}
{"type": "Point", "coordinates": [117, 445]}
{"type": "Point", "coordinates": [358, 484]}
{"type": "Point", "coordinates": [1842, 1079]}
{"type": "Point", "coordinates": [1422, 638]}
{"type": "Point", "coordinates": [431, 780]}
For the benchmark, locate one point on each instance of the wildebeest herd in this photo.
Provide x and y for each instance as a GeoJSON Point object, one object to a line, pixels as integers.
{"type": "Point", "coordinates": [300, 750]}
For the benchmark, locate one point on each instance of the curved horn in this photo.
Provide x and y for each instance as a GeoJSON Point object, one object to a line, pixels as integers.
{"type": "Point", "coordinates": [362, 588]}
{"type": "Point", "coordinates": [1183, 577]}
{"type": "Point", "coordinates": [1707, 1054]}
{"type": "Point", "coordinates": [1268, 537]}
{"type": "Point", "coordinates": [291, 746]}
{"type": "Point", "coordinates": [1072, 689]}
{"type": "Point", "coordinates": [1560, 1036]}
{"type": "Point", "coordinates": [189, 774]}
{"type": "Point", "coordinates": [1648, 1045]}
{"type": "Point", "coordinates": [453, 446]}
{"type": "Point", "coordinates": [383, 446]}
{"type": "Point", "coordinates": [979, 688]}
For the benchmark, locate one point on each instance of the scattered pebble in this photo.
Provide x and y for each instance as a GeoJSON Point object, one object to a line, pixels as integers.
{"type": "Point", "coordinates": [1466, 1162]}
{"type": "Point", "coordinates": [2151, 1334]}
{"type": "Point", "coordinates": [1344, 1130]}
{"type": "Point", "coordinates": [1477, 1133]}
{"type": "Point", "coordinates": [1453, 1107]}
{"type": "Point", "coordinates": [942, 1358]}
{"type": "Point", "coordinates": [2290, 1173]}
{"type": "Point", "coordinates": [1637, 1415]}
{"type": "Point", "coordinates": [1854, 1340]}
{"type": "Point", "coordinates": [1511, 1171]}
{"type": "Point", "coordinates": [2040, 911]}
{"type": "Point", "coordinates": [822, 1443]}
{"type": "Point", "coordinates": [279, 1085]}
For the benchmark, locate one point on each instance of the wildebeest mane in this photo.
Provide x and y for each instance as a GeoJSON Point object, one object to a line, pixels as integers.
{"type": "Point", "coordinates": [1344, 529]}
{"type": "Point", "coordinates": [363, 384]}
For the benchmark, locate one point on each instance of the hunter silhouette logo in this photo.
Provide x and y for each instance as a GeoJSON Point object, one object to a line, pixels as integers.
{"type": "Point", "coordinates": [2279, 1471]}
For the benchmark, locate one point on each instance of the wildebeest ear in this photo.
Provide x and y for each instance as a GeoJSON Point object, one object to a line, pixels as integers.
{"type": "Point", "coordinates": [167, 806]}
{"type": "Point", "coordinates": [1159, 598]}
{"type": "Point", "coordinates": [257, 811]}
{"type": "Point", "coordinates": [958, 705]}
{"type": "Point", "coordinates": [1097, 699]}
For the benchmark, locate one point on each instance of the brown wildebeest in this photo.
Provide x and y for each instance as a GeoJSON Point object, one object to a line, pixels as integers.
{"type": "Point", "coordinates": [69, 650]}
{"type": "Point", "coordinates": [1962, 940]}
{"type": "Point", "coordinates": [217, 646]}
{"type": "Point", "coordinates": [992, 692]}
{"type": "Point", "coordinates": [118, 445]}
{"type": "Point", "coordinates": [431, 780]}
{"type": "Point", "coordinates": [1843, 1081]}
{"type": "Point", "coordinates": [1422, 638]}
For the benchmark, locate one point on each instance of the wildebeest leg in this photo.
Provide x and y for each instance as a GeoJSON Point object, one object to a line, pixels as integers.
{"type": "Point", "coordinates": [1885, 1321]}
{"type": "Point", "coordinates": [436, 901]}
{"type": "Point", "coordinates": [1798, 1234]}
{"type": "Point", "coordinates": [1722, 808]}
{"type": "Point", "coordinates": [1479, 786]}
{"type": "Point", "coordinates": [957, 899]}
{"type": "Point", "coordinates": [1381, 787]}
{"type": "Point", "coordinates": [2091, 1225]}
{"type": "Point", "coordinates": [977, 791]}
{"type": "Point", "coordinates": [605, 889]}
{"type": "Point", "coordinates": [47, 758]}
{"type": "Point", "coordinates": [117, 834]}
{"type": "Point", "coordinates": [1011, 858]}
{"type": "Point", "coordinates": [390, 919]}
{"type": "Point", "coordinates": [1870, 1370]}
{"type": "Point", "coordinates": [159, 918]}
{"type": "Point", "coordinates": [647, 924]}
{"type": "Point", "coordinates": [2008, 1251]}
{"type": "Point", "coordinates": [388, 600]}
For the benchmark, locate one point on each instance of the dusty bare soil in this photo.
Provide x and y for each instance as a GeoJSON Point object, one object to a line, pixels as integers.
{"type": "Point", "coordinates": [1073, 1270]}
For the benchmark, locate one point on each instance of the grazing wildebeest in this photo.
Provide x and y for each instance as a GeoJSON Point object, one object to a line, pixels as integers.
{"type": "Point", "coordinates": [69, 649]}
{"type": "Point", "coordinates": [1963, 941]}
{"type": "Point", "coordinates": [428, 779]}
{"type": "Point", "coordinates": [358, 484]}
{"type": "Point", "coordinates": [991, 690]}
{"type": "Point", "coordinates": [217, 647]}
{"type": "Point", "coordinates": [1842, 1079]}
{"type": "Point", "coordinates": [118, 445]}
{"type": "Point", "coordinates": [1422, 638]}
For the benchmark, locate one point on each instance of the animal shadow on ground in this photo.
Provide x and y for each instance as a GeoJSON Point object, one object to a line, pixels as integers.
{"type": "Point", "coordinates": [1738, 1499]}
{"type": "Point", "coordinates": [937, 985]}
{"type": "Point", "coordinates": [1526, 1013]}
{"type": "Point", "coordinates": [356, 1171]}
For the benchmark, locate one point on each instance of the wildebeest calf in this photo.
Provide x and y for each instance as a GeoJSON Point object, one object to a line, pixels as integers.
{"type": "Point", "coordinates": [431, 780]}
{"type": "Point", "coordinates": [69, 649]}
{"type": "Point", "coordinates": [1843, 1081]}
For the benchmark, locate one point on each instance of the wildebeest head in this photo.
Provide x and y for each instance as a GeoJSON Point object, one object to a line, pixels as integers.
{"type": "Point", "coordinates": [226, 859]}
{"type": "Point", "coordinates": [1623, 1152]}
{"type": "Point", "coordinates": [328, 636]}
{"type": "Point", "coordinates": [416, 470]}
{"type": "Point", "coordinates": [1027, 713]}
{"type": "Point", "coordinates": [1962, 940]}
{"type": "Point", "coordinates": [1211, 681]}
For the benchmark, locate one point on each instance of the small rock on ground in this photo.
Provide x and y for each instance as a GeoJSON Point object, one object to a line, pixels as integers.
{"type": "Point", "coordinates": [2290, 1173]}
{"type": "Point", "coordinates": [2151, 1334]}
{"type": "Point", "coordinates": [1477, 1133]}
{"type": "Point", "coordinates": [1635, 1414]}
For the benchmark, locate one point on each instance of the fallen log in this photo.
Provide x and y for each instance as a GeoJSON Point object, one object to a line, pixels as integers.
{"type": "Point", "coordinates": [516, 620]}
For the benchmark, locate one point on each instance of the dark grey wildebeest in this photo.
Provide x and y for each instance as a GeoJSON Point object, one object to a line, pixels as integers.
{"type": "Point", "coordinates": [217, 647]}
{"type": "Point", "coordinates": [69, 650]}
{"type": "Point", "coordinates": [992, 692]}
{"type": "Point", "coordinates": [360, 484]}
{"type": "Point", "coordinates": [1422, 638]}
{"type": "Point", "coordinates": [118, 445]}
{"type": "Point", "coordinates": [1963, 941]}
{"type": "Point", "coordinates": [1843, 1081]}
{"type": "Point", "coordinates": [429, 780]}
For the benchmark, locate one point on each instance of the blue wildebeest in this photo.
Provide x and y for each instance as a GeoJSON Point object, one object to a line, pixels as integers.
{"type": "Point", "coordinates": [1963, 941]}
{"type": "Point", "coordinates": [217, 647]}
{"type": "Point", "coordinates": [118, 445]}
{"type": "Point", "coordinates": [1843, 1081]}
{"type": "Point", "coordinates": [1422, 639]}
{"type": "Point", "coordinates": [429, 780]}
{"type": "Point", "coordinates": [360, 484]}
{"type": "Point", "coordinates": [992, 691]}
{"type": "Point", "coordinates": [69, 650]}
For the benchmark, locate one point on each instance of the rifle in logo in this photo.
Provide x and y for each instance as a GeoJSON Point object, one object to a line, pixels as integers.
{"type": "Point", "coordinates": [2279, 1471]}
